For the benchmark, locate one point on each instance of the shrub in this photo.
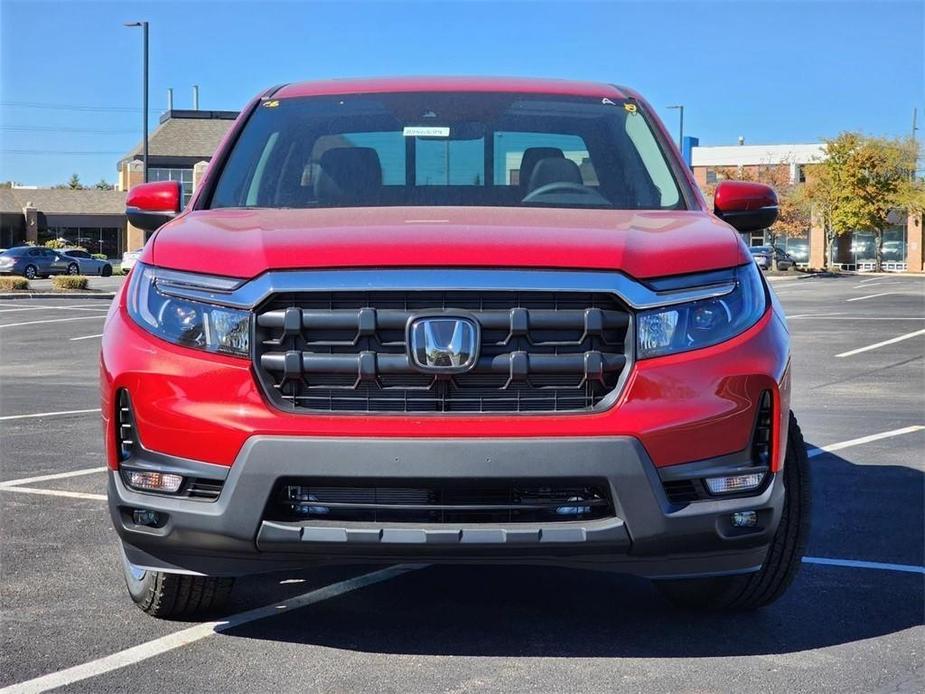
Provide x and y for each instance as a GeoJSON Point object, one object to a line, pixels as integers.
{"type": "Point", "coordinates": [69, 282]}
{"type": "Point", "coordinates": [55, 243]}
{"type": "Point", "coordinates": [99, 256]}
{"type": "Point", "coordinates": [13, 284]}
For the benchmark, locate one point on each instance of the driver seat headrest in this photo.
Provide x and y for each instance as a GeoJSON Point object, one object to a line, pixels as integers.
{"type": "Point", "coordinates": [531, 156]}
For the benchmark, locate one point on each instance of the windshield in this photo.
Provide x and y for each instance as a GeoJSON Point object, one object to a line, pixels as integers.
{"type": "Point", "coordinates": [448, 149]}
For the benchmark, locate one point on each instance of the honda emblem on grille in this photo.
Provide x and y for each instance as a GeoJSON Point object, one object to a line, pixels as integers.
{"type": "Point", "coordinates": [443, 344]}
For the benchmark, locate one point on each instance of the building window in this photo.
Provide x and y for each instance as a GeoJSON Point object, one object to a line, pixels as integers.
{"type": "Point", "coordinates": [801, 173]}
{"type": "Point", "coordinates": [184, 176]}
{"type": "Point", "coordinates": [711, 177]}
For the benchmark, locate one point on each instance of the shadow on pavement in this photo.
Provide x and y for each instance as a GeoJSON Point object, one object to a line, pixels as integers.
{"type": "Point", "coordinates": [861, 512]}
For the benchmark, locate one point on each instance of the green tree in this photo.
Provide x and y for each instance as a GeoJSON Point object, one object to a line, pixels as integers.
{"type": "Point", "coordinates": [103, 184]}
{"type": "Point", "coordinates": [865, 179]}
{"type": "Point", "coordinates": [74, 182]}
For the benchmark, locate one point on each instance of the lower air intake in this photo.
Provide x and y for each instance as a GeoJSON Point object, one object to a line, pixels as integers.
{"type": "Point", "coordinates": [440, 501]}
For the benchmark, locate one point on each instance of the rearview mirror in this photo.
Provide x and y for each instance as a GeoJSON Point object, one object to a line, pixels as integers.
{"type": "Point", "coordinates": [744, 205]}
{"type": "Point", "coordinates": [150, 205]}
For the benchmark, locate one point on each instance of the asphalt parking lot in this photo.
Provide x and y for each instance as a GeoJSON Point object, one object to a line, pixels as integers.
{"type": "Point", "coordinates": [853, 620]}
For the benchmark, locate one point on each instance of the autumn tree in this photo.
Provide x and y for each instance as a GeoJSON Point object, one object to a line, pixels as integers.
{"type": "Point", "coordinates": [863, 181]}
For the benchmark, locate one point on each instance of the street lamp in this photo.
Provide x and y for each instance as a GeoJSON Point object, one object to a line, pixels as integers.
{"type": "Point", "coordinates": [144, 98]}
{"type": "Point", "coordinates": [680, 108]}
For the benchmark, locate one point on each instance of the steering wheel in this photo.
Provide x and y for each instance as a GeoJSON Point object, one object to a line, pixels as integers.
{"type": "Point", "coordinates": [562, 186]}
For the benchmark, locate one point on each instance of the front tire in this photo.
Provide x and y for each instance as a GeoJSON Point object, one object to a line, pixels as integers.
{"type": "Point", "coordinates": [175, 596]}
{"type": "Point", "coordinates": [106, 271]}
{"type": "Point", "coordinates": [761, 588]}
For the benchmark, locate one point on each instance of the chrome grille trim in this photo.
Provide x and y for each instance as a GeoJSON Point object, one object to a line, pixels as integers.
{"type": "Point", "coordinates": [251, 293]}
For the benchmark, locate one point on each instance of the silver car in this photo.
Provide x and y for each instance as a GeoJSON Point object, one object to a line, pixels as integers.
{"type": "Point", "coordinates": [763, 257]}
{"type": "Point", "coordinates": [80, 262]}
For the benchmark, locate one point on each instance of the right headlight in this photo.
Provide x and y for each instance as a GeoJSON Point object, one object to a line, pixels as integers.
{"type": "Point", "coordinates": [683, 327]}
{"type": "Point", "coordinates": [183, 321]}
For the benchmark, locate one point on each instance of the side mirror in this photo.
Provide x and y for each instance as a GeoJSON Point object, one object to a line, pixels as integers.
{"type": "Point", "coordinates": [744, 205]}
{"type": "Point", "coordinates": [150, 205]}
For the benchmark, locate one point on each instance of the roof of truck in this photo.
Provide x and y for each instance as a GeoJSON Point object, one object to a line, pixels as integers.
{"type": "Point", "coordinates": [374, 85]}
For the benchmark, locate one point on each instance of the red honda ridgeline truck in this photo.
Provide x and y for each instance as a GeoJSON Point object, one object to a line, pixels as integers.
{"type": "Point", "coordinates": [451, 320]}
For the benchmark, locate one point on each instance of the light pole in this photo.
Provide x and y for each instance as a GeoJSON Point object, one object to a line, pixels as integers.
{"type": "Point", "coordinates": [680, 109]}
{"type": "Point", "coordinates": [144, 98]}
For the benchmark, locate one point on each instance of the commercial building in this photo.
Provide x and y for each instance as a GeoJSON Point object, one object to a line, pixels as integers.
{"type": "Point", "coordinates": [179, 149]}
{"type": "Point", "coordinates": [902, 241]}
{"type": "Point", "coordinates": [94, 219]}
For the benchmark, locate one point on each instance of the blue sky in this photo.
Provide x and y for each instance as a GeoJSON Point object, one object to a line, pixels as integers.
{"type": "Point", "coordinates": [773, 72]}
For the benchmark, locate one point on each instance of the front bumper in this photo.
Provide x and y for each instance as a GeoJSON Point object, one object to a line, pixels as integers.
{"type": "Point", "coordinates": [646, 535]}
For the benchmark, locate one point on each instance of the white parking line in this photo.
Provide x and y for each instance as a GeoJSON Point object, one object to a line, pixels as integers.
{"type": "Point", "coordinates": [86, 337]}
{"type": "Point", "coordinates": [78, 307]}
{"type": "Point", "coordinates": [185, 637]}
{"type": "Point", "coordinates": [53, 476]}
{"type": "Point", "coordinates": [10, 417]}
{"type": "Point", "coordinates": [869, 296]}
{"type": "Point", "coordinates": [812, 452]}
{"type": "Point", "coordinates": [55, 492]}
{"type": "Point", "coordinates": [52, 320]}
{"type": "Point", "coordinates": [853, 318]}
{"type": "Point", "coordinates": [857, 564]}
{"type": "Point", "coordinates": [877, 345]}
{"type": "Point", "coordinates": [874, 284]}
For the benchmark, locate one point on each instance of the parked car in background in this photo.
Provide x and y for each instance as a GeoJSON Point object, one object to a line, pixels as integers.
{"type": "Point", "coordinates": [764, 254]}
{"type": "Point", "coordinates": [128, 260]}
{"type": "Point", "coordinates": [32, 262]}
{"type": "Point", "coordinates": [80, 262]}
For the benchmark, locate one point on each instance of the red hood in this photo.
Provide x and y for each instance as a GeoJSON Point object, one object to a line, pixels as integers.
{"type": "Point", "coordinates": [245, 243]}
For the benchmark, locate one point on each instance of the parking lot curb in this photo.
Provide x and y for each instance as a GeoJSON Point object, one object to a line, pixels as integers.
{"type": "Point", "coordinates": [56, 295]}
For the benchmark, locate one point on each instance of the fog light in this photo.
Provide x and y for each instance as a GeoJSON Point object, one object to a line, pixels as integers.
{"type": "Point", "coordinates": [142, 516]}
{"type": "Point", "coordinates": [734, 483]}
{"type": "Point", "coordinates": [154, 481]}
{"type": "Point", "coordinates": [744, 519]}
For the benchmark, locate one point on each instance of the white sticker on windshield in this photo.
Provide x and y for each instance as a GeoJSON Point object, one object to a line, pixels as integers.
{"type": "Point", "coordinates": [425, 131]}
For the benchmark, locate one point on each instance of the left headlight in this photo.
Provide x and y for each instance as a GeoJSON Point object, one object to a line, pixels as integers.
{"type": "Point", "coordinates": [184, 322]}
{"type": "Point", "coordinates": [698, 324]}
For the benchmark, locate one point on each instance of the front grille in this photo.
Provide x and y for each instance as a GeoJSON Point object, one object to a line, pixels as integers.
{"type": "Point", "coordinates": [440, 501]}
{"type": "Point", "coordinates": [347, 352]}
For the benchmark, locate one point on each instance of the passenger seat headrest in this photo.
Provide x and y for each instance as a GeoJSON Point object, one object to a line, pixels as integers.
{"type": "Point", "coordinates": [349, 175]}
